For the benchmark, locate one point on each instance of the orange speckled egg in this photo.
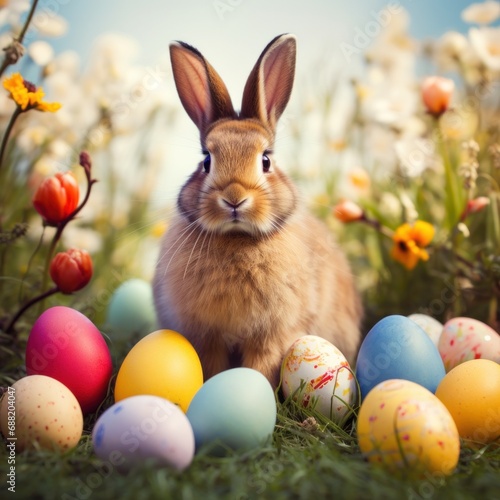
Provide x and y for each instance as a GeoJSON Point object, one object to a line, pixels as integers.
{"type": "Point", "coordinates": [40, 411]}
{"type": "Point", "coordinates": [403, 426]}
{"type": "Point", "coordinates": [471, 392]}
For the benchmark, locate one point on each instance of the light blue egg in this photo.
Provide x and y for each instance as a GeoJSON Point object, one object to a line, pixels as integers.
{"type": "Point", "coordinates": [397, 348]}
{"type": "Point", "coordinates": [235, 408]}
{"type": "Point", "coordinates": [131, 310]}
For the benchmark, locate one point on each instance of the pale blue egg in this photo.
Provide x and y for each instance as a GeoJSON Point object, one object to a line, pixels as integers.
{"type": "Point", "coordinates": [131, 310]}
{"type": "Point", "coordinates": [397, 348]}
{"type": "Point", "coordinates": [235, 409]}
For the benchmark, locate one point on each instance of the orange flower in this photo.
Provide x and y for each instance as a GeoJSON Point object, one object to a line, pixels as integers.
{"type": "Point", "coordinates": [71, 270]}
{"type": "Point", "coordinates": [436, 94]}
{"type": "Point", "coordinates": [28, 96]}
{"type": "Point", "coordinates": [57, 197]}
{"type": "Point", "coordinates": [348, 211]}
{"type": "Point", "coordinates": [409, 243]}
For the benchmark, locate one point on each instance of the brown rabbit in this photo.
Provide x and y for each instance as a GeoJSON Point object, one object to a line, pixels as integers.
{"type": "Point", "coordinates": [244, 269]}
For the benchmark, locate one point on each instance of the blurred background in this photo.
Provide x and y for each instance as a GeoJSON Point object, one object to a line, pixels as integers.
{"type": "Point", "coordinates": [355, 129]}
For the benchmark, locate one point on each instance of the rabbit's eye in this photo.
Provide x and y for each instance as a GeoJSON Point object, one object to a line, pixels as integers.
{"type": "Point", "coordinates": [266, 163]}
{"type": "Point", "coordinates": [206, 163]}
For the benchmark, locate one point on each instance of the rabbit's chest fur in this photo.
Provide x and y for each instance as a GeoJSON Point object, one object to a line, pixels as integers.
{"type": "Point", "coordinates": [234, 285]}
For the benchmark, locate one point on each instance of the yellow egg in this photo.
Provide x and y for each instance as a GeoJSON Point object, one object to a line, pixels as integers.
{"type": "Point", "coordinates": [39, 411]}
{"type": "Point", "coordinates": [471, 392]}
{"type": "Point", "coordinates": [165, 364]}
{"type": "Point", "coordinates": [403, 426]}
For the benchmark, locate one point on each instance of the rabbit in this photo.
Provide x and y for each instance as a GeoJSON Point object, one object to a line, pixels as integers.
{"type": "Point", "coordinates": [244, 270]}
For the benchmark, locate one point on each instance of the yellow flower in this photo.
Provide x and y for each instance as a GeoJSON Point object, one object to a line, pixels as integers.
{"type": "Point", "coordinates": [28, 96]}
{"type": "Point", "coordinates": [409, 242]}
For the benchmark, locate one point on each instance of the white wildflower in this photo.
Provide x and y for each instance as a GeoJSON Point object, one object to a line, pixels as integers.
{"type": "Point", "coordinates": [486, 43]}
{"type": "Point", "coordinates": [482, 13]}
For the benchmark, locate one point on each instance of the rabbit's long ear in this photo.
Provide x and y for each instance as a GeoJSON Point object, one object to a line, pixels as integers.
{"type": "Point", "coordinates": [269, 85]}
{"type": "Point", "coordinates": [201, 90]}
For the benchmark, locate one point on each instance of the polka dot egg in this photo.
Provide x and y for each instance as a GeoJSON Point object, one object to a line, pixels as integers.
{"type": "Point", "coordinates": [464, 339]}
{"type": "Point", "coordinates": [402, 425]}
{"type": "Point", "coordinates": [47, 414]}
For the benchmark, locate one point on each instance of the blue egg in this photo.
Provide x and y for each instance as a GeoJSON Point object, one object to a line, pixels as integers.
{"type": "Point", "coordinates": [131, 310]}
{"type": "Point", "coordinates": [235, 409]}
{"type": "Point", "coordinates": [397, 348]}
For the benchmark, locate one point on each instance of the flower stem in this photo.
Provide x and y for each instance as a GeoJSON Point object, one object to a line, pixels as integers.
{"type": "Point", "coordinates": [6, 61]}
{"type": "Point", "coordinates": [28, 304]}
{"type": "Point", "coordinates": [7, 133]}
{"type": "Point", "coordinates": [60, 229]}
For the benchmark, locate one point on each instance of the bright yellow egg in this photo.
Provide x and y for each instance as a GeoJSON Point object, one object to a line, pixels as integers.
{"type": "Point", "coordinates": [471, 392]}
{"type": "Point", "coordinates": [165, 364]}
{"type": "Point", "coordinates": [403, 426]}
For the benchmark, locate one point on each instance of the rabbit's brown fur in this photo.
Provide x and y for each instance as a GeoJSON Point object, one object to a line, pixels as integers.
{"type": "Point", "coordinates": [244, 269]}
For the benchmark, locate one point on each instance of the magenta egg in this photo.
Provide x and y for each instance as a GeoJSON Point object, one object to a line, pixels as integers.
{"type": "Point", "coordinates": [67, 346]}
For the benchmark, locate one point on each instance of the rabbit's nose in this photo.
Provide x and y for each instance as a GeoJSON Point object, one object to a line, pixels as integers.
{"type": "Point", "coordinates": [234, 197]}
{"type": "Point", "coordinates": [234, 206]}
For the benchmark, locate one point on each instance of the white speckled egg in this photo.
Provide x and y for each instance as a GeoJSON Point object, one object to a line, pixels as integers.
{"type": "Point", "coordinates": [429, 325]}
{"type": "Point", "coordinates": [464, 339]}
{"type": "Point", "coordinates": [328, 382]}
{"type": "Point", "coordinates": [144, 427]}
{"type": "Point", "coordinates": [47, 414]}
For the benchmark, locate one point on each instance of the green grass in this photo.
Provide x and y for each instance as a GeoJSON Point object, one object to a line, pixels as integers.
{"type": "Point", "coordinates": [310, 462]}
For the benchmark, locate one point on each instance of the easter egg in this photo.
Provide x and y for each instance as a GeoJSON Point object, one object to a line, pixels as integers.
{"type": "Point", "coordinates": [464, 339]}
{"type": "Point", "coordinates": [144, 427]}
{"type": "Point", "coordinates": [471, 392]}
{"type": "Point", "coordinates": [396, 347]}
{"type": "Point", "coordinates": [131, 310]}
{"type": "Point", "coordinates": [318, 375]}
{"type": "Point", "coordinates": [235, 408]}
{"type": "Point", "coordinates": [165, 364]}
{"type": "Point", "coordinates": [403, 426]}
{"type": "Point", "coordinates": [67, 346]}
{"type": "Point", "coordinates": [39, 411]}
{"type": "Point", "coordinates": [429, 325]}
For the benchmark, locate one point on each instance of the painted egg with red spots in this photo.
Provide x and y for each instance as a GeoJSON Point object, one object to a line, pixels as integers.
{"type": "Point", "coordinates": [465, 339]}
{"type": "Point", "coordinates": [316, 374]}
{"type": "Point", "coordinates": [404, 427]}
{"type": "Point", "coordinates": [40, 412]}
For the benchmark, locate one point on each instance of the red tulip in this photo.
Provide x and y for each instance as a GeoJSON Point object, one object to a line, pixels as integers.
{"type": "Point", "coordinates": [71, 270]}
{"type": "Point", "coordinates": [57, 197]}
{"type": "Point", "coordinates": [436, 94]}
{"type": "Point", "coordinates": [474, 206]}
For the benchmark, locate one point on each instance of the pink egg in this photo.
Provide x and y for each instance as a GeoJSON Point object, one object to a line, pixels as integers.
{"type": "Point", "coordinates": [464, 339]}
{"type": "Point", "coordinates": [65, 345]}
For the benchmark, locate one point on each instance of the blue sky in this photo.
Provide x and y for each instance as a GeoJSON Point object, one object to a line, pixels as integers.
{"type": "Point", "coordinates": [231, 33]}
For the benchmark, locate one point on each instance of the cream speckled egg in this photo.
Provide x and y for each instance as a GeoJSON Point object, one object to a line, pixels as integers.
{"type": "Point", "coordinates": [402, 425]}
{"type": "Point", "coordinates": [328, 382]}
{"type": "Point", "coordinates": [429, 325]}
{"type": "Point", "coordinates": [47, 414]}
{"type": "Point", "coordinates": [464, 339]}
